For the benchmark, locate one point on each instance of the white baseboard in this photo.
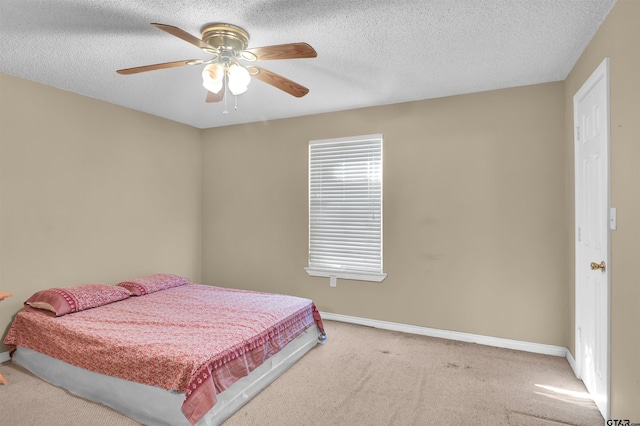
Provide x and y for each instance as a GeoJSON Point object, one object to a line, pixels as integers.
{"type": "Point", "coordinates": [444, 334]}
{"type": "Point", "coordinates": [519, 345]}
{"type": "Point", "coordinates": [572, 363]}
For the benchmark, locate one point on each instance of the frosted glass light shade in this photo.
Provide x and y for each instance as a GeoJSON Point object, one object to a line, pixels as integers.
{"type": "Point", "coordinates": [212, 77]}
{"type": "Point", "coordinates": [239, 79]}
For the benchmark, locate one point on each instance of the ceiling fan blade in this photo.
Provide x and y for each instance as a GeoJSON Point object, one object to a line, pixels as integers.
{"type": "Point", "coordinates": [214, 97]}
{"type": "Point", "coordinates": [283, 51]}
{"type": "Point", "coordinates": [217, 97]}
{"type": "Point", "coordinates": [135, 70]}
{"type": "Point", "coordinates": [278, 81]}
{"type": "Point", "coordinates": [175, 31]}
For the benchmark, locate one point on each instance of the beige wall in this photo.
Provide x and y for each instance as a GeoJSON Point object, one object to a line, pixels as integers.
{"type": "Point", "coordinates": [618, 39]}
{"type": "Point", "coordinates": [91, 192]}
{"type": "Point", "coordinates": [474, 232]}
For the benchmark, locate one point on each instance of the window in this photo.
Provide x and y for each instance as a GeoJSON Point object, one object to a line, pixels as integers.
{"type": "Point", "coordinates": [345, 208]}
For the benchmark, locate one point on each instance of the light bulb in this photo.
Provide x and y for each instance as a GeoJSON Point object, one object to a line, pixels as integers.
{"type": "Point", "coordinates": [212, 77]}
{"type": "Point", "coordinates": [239, 79]}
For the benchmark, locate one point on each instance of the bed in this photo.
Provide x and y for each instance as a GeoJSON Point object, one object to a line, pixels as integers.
{"type": "Point", "coordinates": [163, 350]}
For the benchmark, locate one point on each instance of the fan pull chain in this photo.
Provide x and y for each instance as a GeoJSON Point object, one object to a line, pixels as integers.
{"type": "Point", "coordinates": [235, 107]}
{"type": "Point", "coordinates": [225, 111]}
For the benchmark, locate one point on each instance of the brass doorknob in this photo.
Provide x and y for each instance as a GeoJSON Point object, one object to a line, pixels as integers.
{"type": "Point", "coordinates": [601, 265]}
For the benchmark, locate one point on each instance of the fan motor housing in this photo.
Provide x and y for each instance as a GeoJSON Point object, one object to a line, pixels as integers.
{"type": "Point", "coordinates": [225, 36]}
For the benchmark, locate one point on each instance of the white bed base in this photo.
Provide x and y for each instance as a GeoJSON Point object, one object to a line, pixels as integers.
{"type": "Point", "coordinates": [155, 406]}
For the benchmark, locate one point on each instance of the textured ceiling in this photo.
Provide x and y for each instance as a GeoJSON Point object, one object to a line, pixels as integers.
{"type": "Point", "coordinates": [370, 52]}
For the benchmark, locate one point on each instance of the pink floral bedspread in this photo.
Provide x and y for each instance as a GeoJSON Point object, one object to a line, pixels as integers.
{"type": "Point", "coordinates": [195, 339]}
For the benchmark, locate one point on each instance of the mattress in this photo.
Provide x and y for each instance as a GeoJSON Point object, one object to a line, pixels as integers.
{"type": "Point", "coordinates": [193, 341]}
{"type": "Point", "coordinates": [152, 405]}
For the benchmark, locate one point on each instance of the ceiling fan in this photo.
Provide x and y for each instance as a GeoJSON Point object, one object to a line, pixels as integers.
{"type": "Point", "coordinates": [228, 45]}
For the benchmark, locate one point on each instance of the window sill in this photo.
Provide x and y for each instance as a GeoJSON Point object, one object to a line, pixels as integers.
{"type": "Point", "coordinates": [346, 275]}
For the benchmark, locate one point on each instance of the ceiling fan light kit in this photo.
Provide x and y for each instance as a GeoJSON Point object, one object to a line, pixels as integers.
{"type": "Point", "coordinates": [228, 44]}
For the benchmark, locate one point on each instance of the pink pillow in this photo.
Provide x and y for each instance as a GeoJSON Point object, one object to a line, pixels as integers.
{"type": "Point", "coordinates": [153, 283]}
{"type": "Point", "coordinates": [64, 300]}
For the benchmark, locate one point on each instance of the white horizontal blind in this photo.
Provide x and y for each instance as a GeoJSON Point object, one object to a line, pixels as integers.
{"type": "Point", "coordinates": [345, 204]}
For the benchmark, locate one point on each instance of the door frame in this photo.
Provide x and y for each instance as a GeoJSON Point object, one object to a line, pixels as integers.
{"type": "Point", "coordinates": [601, 72]}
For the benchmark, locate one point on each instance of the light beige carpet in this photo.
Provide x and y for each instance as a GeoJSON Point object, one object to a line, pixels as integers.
{"type": "Point", "coordinates": [365, 376]}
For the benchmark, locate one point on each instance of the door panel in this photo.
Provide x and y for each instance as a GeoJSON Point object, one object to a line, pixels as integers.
{"type": "Point", "coordinates": [591, 118]}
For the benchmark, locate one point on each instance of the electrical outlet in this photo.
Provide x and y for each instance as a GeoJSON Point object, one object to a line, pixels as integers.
{"type": "Point", "coordinates": [332, 281]}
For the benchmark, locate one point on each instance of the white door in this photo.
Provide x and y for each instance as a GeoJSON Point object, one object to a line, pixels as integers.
{"type": "Point", "coordinates": [591, 121]}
